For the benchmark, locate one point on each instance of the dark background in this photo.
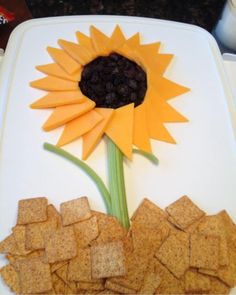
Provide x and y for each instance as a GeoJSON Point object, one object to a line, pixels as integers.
{"type": "Point", "coordinates": [203, 13]}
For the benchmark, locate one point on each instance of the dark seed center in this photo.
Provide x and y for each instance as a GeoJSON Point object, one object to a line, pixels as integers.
{"type": "Point", "coordinates": [113, 81]}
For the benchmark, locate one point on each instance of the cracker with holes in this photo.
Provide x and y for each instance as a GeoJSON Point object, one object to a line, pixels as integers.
{"type": "Point", "coordinates": [35, 276]}
{"type": "Point", "coordinates": [204, 251]}
{"type": "Point", "coordinates": [32, 210]}
{"type": "Point", "coordinates": [60, 245]}
{"type": "Point", "coordinates": [75, 210]}
{"type": "Point", "coordinates": [184, 212]}
{"type": "Point", "coordinates": [108, 260]}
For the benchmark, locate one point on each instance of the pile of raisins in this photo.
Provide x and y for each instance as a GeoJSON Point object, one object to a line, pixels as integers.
{"type": "Point", "coordinates": [113, 81]}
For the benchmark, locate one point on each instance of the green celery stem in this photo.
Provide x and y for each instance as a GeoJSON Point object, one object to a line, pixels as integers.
{"type": "Point", "coordinates": [117, 184]}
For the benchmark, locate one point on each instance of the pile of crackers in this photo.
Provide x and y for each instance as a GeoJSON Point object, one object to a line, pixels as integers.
{"type": "Point", "coordinates": [179, 250]}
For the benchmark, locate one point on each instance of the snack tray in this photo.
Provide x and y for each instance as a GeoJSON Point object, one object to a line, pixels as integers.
{"type": "Point", "coordinates": [201, 165]}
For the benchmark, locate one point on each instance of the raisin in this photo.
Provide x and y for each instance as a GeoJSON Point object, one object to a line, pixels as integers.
{"type": "Point", "coordinates": [113, 81]}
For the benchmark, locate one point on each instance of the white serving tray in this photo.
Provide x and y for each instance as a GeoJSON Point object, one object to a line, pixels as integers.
{"type": "Point", "coordinates": [202, 164]}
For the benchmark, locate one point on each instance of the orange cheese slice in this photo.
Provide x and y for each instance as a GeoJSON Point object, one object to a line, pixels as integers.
{"type": "Point", "coordinates": [120, 129]}
{"type": "Point", "coordinates": [64, 60]}
{"type": "Point", "coordinates": [99, 41]}
{"type": "Point", "coordinates": [86, 42]}
{"type": "Point", "coordinates": [140, 135]}
{"type": "Point", "coordinates": [54, 69]}
{"type": "Point", "coordinates": [79, 126]}
{"type": "Point", "coordinates": [64, 114]}
{"type": "Point", "coordinates": [165, 87]}
{"type": "Point", "coordinates": [78, 52]}
{"type": "Point", "coordinates": [51, 83]}
{"type": "Point", "coordinates": [116, 40]}
{"type": "Point", "coordinates": [133, 41]}
{"type": "Point", "coordinates": [58, 98]}
{"type": "Point", "coordinates": [92, 138]}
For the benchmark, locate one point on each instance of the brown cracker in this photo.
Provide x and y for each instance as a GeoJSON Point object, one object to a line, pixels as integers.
{"type": "Point", "coordinates": [174, 253]}
{"type": "Point", "coordinates": [75, 210]}
{"type": "Point", "coordinates": [213, 225]}
{"type": "Point", "coordinates": [56, 265]}
{"type": "Point", "coordinates": [196, 282]}
{"type": "Point", "coordinates": [60, 245]}
{"type": "Point", "coordinates": [148, 213]}
{"type": "Point", "coordinates": [109, 228]}
{"type": "Point", "coordinates": [117, 288]}
{"type": "Point", "coordinates": [228, 273]}
{"type": "Point", "coordinates": [151, 281]}
{"type": "Point", "coordinates": [108, 260]}
{"type": "Point", "coordinates": [35, 276]}
{"type": "Point", "coordinates": [58, 285]}
{"type": "Point", "coordinates": [32, 210]}
{"type": "Point", "coordinates": [169, 283]}
{"type": "Point", "coordinates": [90, 286]}
{"type": "Point", "coordinates": [229, 226]}
{"type": "Point", "coordinates": [19, 236]}
{"type": "Point", "coordinates": [86, 231]}
{"type": "Point", "coordinates": [209, 272]}
{"type": "Point", "coordinates": [8, 245]}
{"type": "Point", "coordinates": [11, 277]}
{"type": "Point", "coordinates": [218, 287]}
{"type": "Point", "coordinates": [204, 251]}
{"type": "Point", "coordinates": [35, 232]}
{"type": "Point", "coordinates": [62, 273]}
{"type": "Point", "coordinates": [184, 212]}
{"type": "Point", "coordinates": [80, 267]}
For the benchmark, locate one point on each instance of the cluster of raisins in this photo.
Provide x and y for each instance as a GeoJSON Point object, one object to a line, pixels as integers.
{"type": "Point", "coordinates": [113, 81]}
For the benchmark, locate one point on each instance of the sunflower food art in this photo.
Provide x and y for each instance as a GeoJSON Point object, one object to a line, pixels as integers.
{"type": "Point", "coordinates": [113, 87]}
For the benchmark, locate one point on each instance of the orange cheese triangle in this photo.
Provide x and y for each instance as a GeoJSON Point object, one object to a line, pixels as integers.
{"type": "Point", "coordinates": [133, 41]}
{"type": "Point", "coordinates": [92, 138]}
{"type": "Point", "coordinates": [99, 41]}
{"type": "Point", "coordinates": [165, 87]}
{"type": "Point", "coordinates": [86, 42]}
{"type": "Point", "coordinates": [116, 40]}
{"type": "Point", "coordinates": [120, 129]}
{"type": "Point", "coordinates": [169, 114]}
{"type": "Point", "coordinates": [141, 135]}
{"type": "Point", "coordinates": [163, 60]}
{"type": "Point", "coordinates": [64, 60]}
{"type": "Point", "coordinates": [78, 52]}
{"type": "Point", "coordinates": [51, 83]}
{"type": "Point", "coordinates": [54, 69]}
{"type": "Point", "coordinates": [79, 126]}
{"type": "Point", "coordinates": [58, 98]}
{"type": "Point", "coordinates": [64, 114]}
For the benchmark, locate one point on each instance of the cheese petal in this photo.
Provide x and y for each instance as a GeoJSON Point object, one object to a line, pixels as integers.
{"type": "Point", "coordinates": [120, 129]}
{"type": "Point", "coordinates": [99, 41]}
{"type": "Point", "coordinates": [51, 83]}
{"type": "Point", "coordinates": [116, 40]}
{"type": "Point", "coordinates": [64, 114]}
{"type": "Point", "coordinates": [92, 138]}
{"type": "Point", "coordinates": [79, 126]}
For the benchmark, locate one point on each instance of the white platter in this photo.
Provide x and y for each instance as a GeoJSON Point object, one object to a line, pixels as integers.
{"type": "Point", "coordinates": [202, 165]}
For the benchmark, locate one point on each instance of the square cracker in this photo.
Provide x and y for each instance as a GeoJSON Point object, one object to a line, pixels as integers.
{"type": "Point", "coordinates": [117, 288]}
{"type": "Point", "coordinates": [86, 231]}
{"type": "Point", "coordinates": [19, 234]}
{"type": "Point", "coordinates": [218, 287]}
{"type": "Point", "coordinates": [80, 267]}
{"type": "Point", "coordinates": [8, 245]}
{"type": "Point", "coordinates": [184, 212]}
{"type": "Point", "coordinates": [75, 210]}
{"type": "Point", "coordinates": [149, 214]}
{"type": "Point", "coordinates": [174, 253]}
{"type": "Point", "coordinates": [11, 277]}
{"type": "Point", "coordinates": [35, 231]}
{"type": "Point", "coordinates": [204, 251]}
{"type": "Point", "coordinates": [108, 260]}
{"type": "Point", "coordinates": [60, 245]}
{"type": "Point", "coordinates": [213, 225]}
{"type": "Point", "coordinates": [35, 276]}
{"type": "Point", "coordinates": [196, 283]}
{"type": "Point", "coordinates": [32, 210]}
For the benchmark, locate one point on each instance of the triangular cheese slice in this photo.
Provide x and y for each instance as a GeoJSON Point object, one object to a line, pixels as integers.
{"type": "Point", "coordinates": [99, 41]}
{"type": "Point", "coordinates": [58, 98]}
{"type": "Point", "coordinates": [51, 83]}
{"type": "Point", "coordinates": [116, 40]}
{"type": "Point", "coordinates": [120, 129]}
{"type": "Point", "coordinates": [133, 41]}
{"type": "Point", "coordinates": [64, 114]}
{"type": "Point", "coordinates": [64, 60]}
{"type": "Point", "coordinates": [55, 70]}
{"type": "Point", "coordinates": [79, 126]}
{"type": "Point", "coordinates": [92, 138]}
